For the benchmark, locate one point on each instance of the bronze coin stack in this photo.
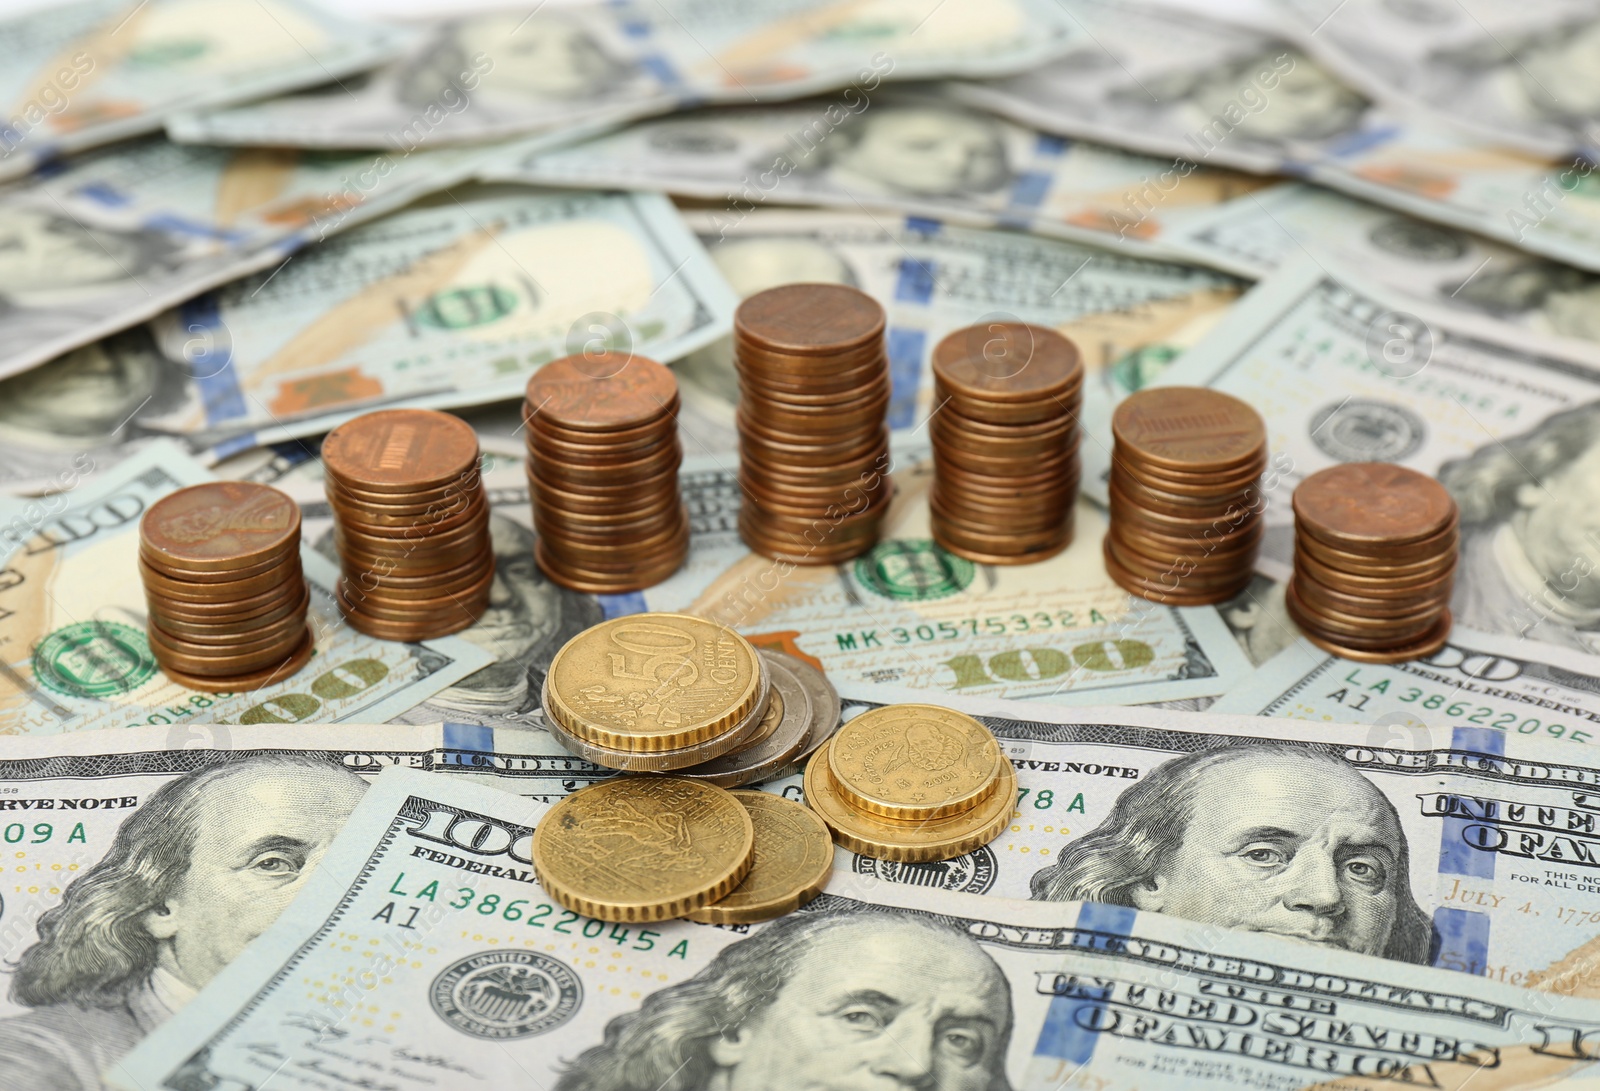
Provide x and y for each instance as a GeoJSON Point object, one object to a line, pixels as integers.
{"type": "Point", "coordinates": [410, 522]}
{"type": "Point", "coordinates": [1186, 502]}
{"type": "Point", "coordinates": [603, 455]}
{"type": "Point", "coordinates": [813, 441]}
{"type": "Point", "coordinates": [220, 564]}
{"type": "Point", "coordinates": [1374, 561]}
{"type": "Point", "coordinates": [1005, 442]}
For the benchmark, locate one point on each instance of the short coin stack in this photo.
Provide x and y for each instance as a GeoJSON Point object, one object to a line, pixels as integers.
{"type": "Point", "coordinates": [603, 459]}
{"type": "Point", "coordinates": [1374, 561]}
{"type": "Point", "coordinates": [220, 564]}
{"type": "Point", "coordinates": [1005, 442]}
{"type": "Point", "coordinates": [813, 442]}
{"type": "Point", "coordinates": [410, 522]}
{"type": "Point", "coordinates": [640, 849]}
{"type": "Point", "coordinates": [912, 783]}
{"type": "Point", "coordinates": [1186, 502]}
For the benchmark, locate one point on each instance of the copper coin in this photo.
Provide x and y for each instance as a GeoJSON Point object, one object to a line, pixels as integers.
{"type": "Point", "coordinates": [220, 526]}
{"type": "Point", "coordinates": [656, 563]}
{"type": "Point", "coordinates": [601, 392]}
{"type": "Point", "coordinates": [864, 471]}
{"type": "Point", "coordinates": [1357, 565]}
{"type": "Point", "coordinates": [439, 536]}
{"type": "Point", "coordinates": [792, 446]}
{"type": "Point", "coordinates": [1235, 517]}
{"type": "Point", "coordinates": [1319, 596]}
{"type": "Point", "coordinates": [1423, 647]}
{"type": "Point", "coordinates": [281, 635]}
{"type": "Point", "coordinates": [759, 356]}
{"type": "Point", "coordinates": [1007, 362]}
{"type": "Point", "coordinates": [955, 440]}
{"type": "Point", "coordinates": [609, 547]}
{"type": "Point", "coordinates": [376, 605]}
{"type": "Point", "coordinates": [805, 554]}
{"type": "Point", "coordinates": [809, 319]}
{"type": "Point", "coordinates": [1171, 592]}
{"type": "Point", "coordinates": [801, 391]}
{"type": "Point", "coordinates": [1194, 577]}
{"type": "Point", "coordinates": [380, 521]}
{"type": "Point", "coordinates": [220, 665]}
{"type": "Point", "coordinates": [604, 495]}
{"type": "Point", "coordinates": [224, 591]}
{"type": "Point", "coordinates": [1238, 555]}
{"type": "Point", "coordinates": [978, 556]}
{"type": "Point", "coordinates": [606, 473]}
{"type": "Point", "coordinates": [477, 515]}
{"type": "Point", "coordinates": [420, 563]}
{"type": "Point", "coordinates": [1011, 414]}
{"type": "Point", "coordinates": [608, 584]}
{"type": "Point", "coordinates": [400, 450]}
{"type": "Point", "coordinates": [542, 446]}
{"type": "Point", "coordinates": [411, 632]}
{"type": "Point", "coordinates": [1008, 467]}
{"type": "Point", "coordinates": [241, 683]}
{"type": "Point", "coordinates": [1001, 543]}
{"type": "Point", "coordinates": [828, 421]}
{"type": "Point", "coordinates": [1202, 484]}
{"type": "Point", "coordinates": [185, 626]}
{"type": "Point", "coordinates": [286, 588]}
{"type": "Point", "coordinates": [1188, 428]}
{"type": "Point", "coordinates": [644, 431]}
{"type": "Point", "coordinates": [400, 580]}
{"type": "Point", "coordinates": [1023, 520]}
{"type": "Point", "coordinates": [459, 582]}
{"type": "Point", "coordinates": [660, 505]}
{"type": "Point", "coordinates": [1376, 586]}
{"type": "Point", "coordinates": [1140, 490]}
{"type": "Point", "coordinates": [420, 505]}
{"type": "Point", "coordinates": [1373, 633]}
{"type": "Point", "coordinates": [1369, 504]}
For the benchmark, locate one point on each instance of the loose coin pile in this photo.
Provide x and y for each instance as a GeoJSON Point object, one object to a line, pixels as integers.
{"type": "Point", "coordinates": [1005, 442]}
{"type": "Point", "coordinates": [912, 783]}
{"type": "Point", "coordinates": [656, 692]}
{"type": "Point", "coordinates": [813, 441]}
{"type": "Point", "coordinates": [1186, 503]}
{"type": "Point", "coordinates": [1374, 562]}
{"type": "Point", "coordinates": [410, 522]}
{"type": "Point", "coordinates": [603, 457]}
{"type": "Point", "coordinates": [220, 563]}
{"type": "Point", "coordinates": [793, 861]}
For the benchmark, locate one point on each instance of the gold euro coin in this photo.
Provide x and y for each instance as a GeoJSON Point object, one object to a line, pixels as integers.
{"type": "Point", "coordinates": [650, 682]}
{"type": "Point", "coordinates": [640, 849]}
{"type": "Point", "coordinates": [914, 762]}
{"type": "Point", "coordinates": [793, 860]}
{"type": "Point", "coordinates": [908, 842]}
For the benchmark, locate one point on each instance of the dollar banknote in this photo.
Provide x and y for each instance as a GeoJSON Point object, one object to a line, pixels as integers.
{"type": "Point", "coordinates": [422, 952]}
{"type": "Point", "coordinates": [493, 74]}
{"type": "Point", "coordinates": [1521, 75]}
{"type": "Point", "coordinates": [90, 72]}
{"type": "Point", "coordinates": [1515, 685]}
{"type": "Point", "coordinates": [898, 151]}
{"type": "Point", "coordinates": [1436, 264]}
{"type": "Point", "coordinates": [1184, 85]}
{"type": "Point", "coordinates": [453, 301]}
{"type": "Point", "coordinates": [112, 237]}
{"type": "Point", "coordinates": [1342, 372]}
{"type": "Point", "coordinates": [1128, 316]}
{"type": "Point", "coordinates": [72, 625]}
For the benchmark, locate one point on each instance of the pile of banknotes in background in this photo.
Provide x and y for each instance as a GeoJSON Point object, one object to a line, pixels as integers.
{"type": "Point", "coordinates": [1235, 859]}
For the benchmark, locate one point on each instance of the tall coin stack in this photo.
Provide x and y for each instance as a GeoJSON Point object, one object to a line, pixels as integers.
{"type": "Point", "coordinates": [220, 564]}
{"type": "Point", "coordinates": [1374, 562]}
{"type": "Point", "coordinates": [912, 783]}
{"type": "Point", "coordinates": [813, 441]}
{"type": "Point", "coordinates": [603, 459]}
{"type": "Point", "coordinates": [654, 692]}
{"type": "Point", "coordinates": [1005, 442]}
{"type": "Point", "coordinates": [410, 522]}
{"type": "Point", "coordinates": [1186, 502]}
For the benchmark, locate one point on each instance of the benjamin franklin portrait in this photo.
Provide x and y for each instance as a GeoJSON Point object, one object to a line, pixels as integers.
{"type": "Point", "coordinates": [49, 259]}
{"type": "Point", "coordinates": [818, 1000]}
{"type": "Point", "coordinates": [203, 867]}
{"type": "Point", "coordinates": [548, 57]}
{"type": "Point", "coordinates": [1548, 75]}
{"type": "Point", "coordinates": [914, 149]}
{"type": "Point", "coordinates": [1266, 837]}
{"type": "Point", "coordinates": [90, 396]}
{"type": "Point", "coordinates": [1530, 532]}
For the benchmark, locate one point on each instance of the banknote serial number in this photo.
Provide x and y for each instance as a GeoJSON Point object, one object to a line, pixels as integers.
{"type": "Point", "coordinates": [973, 626]}
{"type": "Point", "coordinates": [1466, 712]}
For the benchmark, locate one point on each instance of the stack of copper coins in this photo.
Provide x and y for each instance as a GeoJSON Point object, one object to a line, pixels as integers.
{"type": "Point", "coordinates": [603, 459]}
{"type": "Point", "coordinates": [221, 569]}
{"type": "Point", "coordinates": [1374, 561]}
{"type": "Point", "coordinates": [1186, 501]}
{"type": "Point", "coordinates": [813, 442]}
{"type": "Point", "coordinates": [410, 522]}
{"type": "Point", "coordinates": [1005, 442]}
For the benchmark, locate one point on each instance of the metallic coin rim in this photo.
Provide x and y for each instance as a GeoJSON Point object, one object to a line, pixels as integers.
{"type": "Point", "coordinates": [1310, 490]}
{"type": "Point", "coordinates": [331, 456]}
{"type": "Point", "coordinates": [804, 888]}
{"type": "Point", "coordinates": [761, 759]}
{"type": "Point", "coordinates": [1123, 440]}
{"type": "Point", "coordinates": [861, 798]}
{"type": "Point", "coordinates": [255, 680]}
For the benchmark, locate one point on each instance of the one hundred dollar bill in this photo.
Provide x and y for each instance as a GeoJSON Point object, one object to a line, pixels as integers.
{"type": "Point", "coordinates": [1181, 84]}
{"type": "Point", "coordinates": [1470, 847]}
{"type": "Point", "coordinates": [1344, 372]}
{"type": "Point", "coordinates": [73, 650]}
{"type": "Point", "coordinates": [1515, 75]}
{"type": "Point", "coordinates": [422, 952]}
{"type": "Point", "coordinates": [907, 613]}
{"type": "Point", "coordinates": [451, 302]}
{"type": "Point", "coordinates": [112, 237]}
{"type": "Point", "coordinates": [94, 71]}
{"type": "Point", "coordinates": [899, 151]}
{"type": "Point", "coordinates": [1517, 686]}
{"type": "Point", "coordinates": [492, 74]}
{"type": "Point", "coordinates": [1436, 264]}
{"type": "Point", "coordinates": [1128, 316]}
